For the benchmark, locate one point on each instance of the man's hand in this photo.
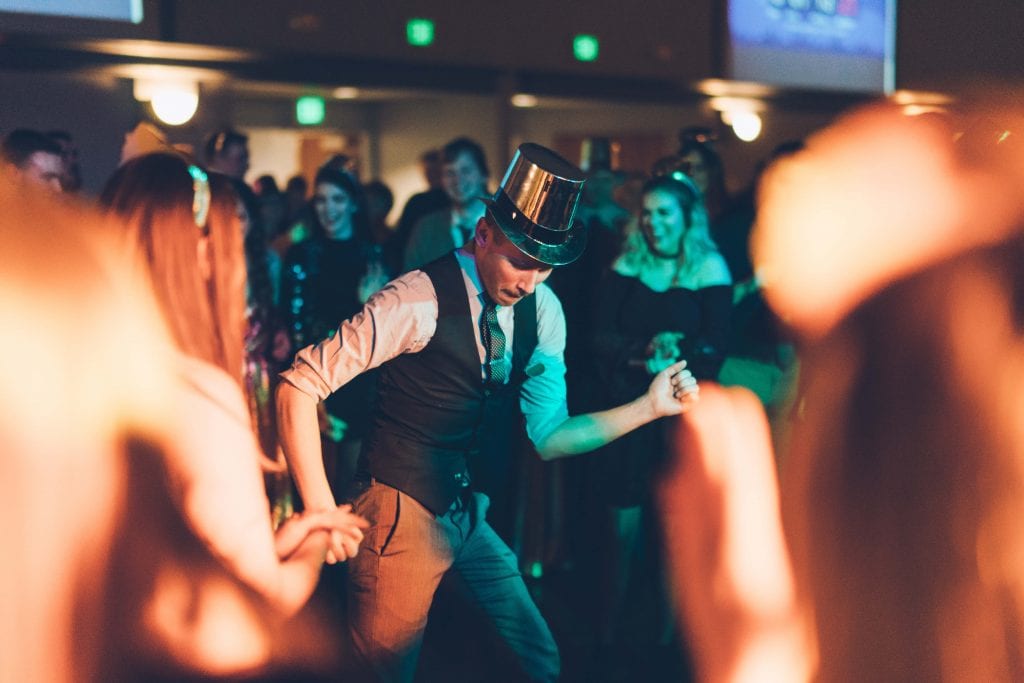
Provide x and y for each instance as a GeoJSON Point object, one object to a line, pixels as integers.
{"type": "Point", "coordinates": [673, 390]}
{"type": "Point", "coordinates": [346, 529]}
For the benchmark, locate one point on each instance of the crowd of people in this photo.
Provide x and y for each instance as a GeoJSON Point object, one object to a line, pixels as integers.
{"type": "Point", "coordinates": [323, 446]}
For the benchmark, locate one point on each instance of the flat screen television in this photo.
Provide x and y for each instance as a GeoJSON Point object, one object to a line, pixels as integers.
{"type": "Point", "coordinates": [843, 45]}
{"type": "Point", "coordinates": [109, 10]}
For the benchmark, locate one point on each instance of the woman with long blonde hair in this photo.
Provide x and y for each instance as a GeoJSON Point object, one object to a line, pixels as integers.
{"type": "Point", "coordinates": [184, 226]}
{"type": "Point", "coordinates": [671, 245]}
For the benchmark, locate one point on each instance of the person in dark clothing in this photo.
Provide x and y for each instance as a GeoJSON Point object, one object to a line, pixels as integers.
{"type": "Point", "coordinates": [326, 279]}
{"type": "Point", "coordinates": [667, 297]}
{"type": "Point", "coordinates": [434, 198]}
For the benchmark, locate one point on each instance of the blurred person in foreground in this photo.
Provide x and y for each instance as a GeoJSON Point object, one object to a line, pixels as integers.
{"type": "Point", "coordinates": [102, 580]}
{"type": "Point", "coordinates": [184, 225]}
{"type": "Point", "coordinates": [467, 346]}
{"type": "Point", "coordinates": [896, 550]}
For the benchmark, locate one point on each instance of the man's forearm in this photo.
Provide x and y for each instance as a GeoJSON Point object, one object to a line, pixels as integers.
{"type": "Point", "coordinates": [300, 438]}
{"type": "Point", "coordinates": [582, 433]}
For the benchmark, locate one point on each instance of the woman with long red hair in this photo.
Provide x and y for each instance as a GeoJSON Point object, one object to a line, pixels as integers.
{"type": "Point", "coordinates": [185, 227]}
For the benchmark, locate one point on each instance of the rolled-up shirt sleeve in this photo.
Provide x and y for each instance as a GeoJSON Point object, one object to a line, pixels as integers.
{"type": "Point", "coordinates": [400, 318]}
{"type": "Point", "coordinates": [542, 397]}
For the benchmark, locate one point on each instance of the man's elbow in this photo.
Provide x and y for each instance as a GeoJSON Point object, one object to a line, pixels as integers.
{"type": "Point", "coordinates": [548, 449]}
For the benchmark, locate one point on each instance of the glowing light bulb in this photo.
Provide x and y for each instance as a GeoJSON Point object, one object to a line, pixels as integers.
{"type": "Point", "coordinates": [746, 125]}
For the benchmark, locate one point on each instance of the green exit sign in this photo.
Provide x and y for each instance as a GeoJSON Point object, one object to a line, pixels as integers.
{"type": "Point", "coordinates": [309, 110]}
{"type": "Point", "coordinates": [419, 32]}
{"type": "Point", "coordinates": [585, 47]}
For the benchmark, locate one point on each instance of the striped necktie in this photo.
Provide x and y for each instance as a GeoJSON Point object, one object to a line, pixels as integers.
{"type": "Point", "coordinates": [493, 340]}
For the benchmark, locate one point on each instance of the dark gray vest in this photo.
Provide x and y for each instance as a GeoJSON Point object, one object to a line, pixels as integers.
{"type": "Point", "coordinates": [434, 413]}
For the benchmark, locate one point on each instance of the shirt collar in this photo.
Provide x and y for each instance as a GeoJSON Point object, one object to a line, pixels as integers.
{"type": "Point", "coordinates": [467, 262]}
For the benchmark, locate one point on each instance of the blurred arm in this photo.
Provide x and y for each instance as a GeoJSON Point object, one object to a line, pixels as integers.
{"type": "Point", "coordinates": [728, 560]}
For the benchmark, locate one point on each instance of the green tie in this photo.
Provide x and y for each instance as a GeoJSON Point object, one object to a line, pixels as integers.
{"type": "Point", "coordinates": [493, 341]}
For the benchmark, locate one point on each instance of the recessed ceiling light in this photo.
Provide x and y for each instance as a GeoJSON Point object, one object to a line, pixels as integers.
{"type": "Point", "coordinates": [524, 100]}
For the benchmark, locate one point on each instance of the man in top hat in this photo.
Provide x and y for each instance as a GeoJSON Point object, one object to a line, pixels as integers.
{"type": "Point", "coordinates": [465, 344]}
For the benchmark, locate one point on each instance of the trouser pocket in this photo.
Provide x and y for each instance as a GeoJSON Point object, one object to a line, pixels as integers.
{"type": "Point", "coordinates": [381, 506]}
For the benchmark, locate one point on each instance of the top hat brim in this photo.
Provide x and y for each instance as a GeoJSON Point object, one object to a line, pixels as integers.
{"type": "Point", "coordinates": [549, 254]}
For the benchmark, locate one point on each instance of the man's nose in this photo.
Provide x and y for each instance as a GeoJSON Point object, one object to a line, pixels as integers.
{"type": "Point", "coordinates": [529, 282]}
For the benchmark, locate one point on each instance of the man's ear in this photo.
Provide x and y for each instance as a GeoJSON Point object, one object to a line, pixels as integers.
{"type": "Point", "coordinates": [483, 232]}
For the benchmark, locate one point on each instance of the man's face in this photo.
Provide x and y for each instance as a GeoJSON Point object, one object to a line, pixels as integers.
{"type": "Point", "coordinates": [43, 169]}
{"type": "Point", "coordinates": [463, 179]}
{"type": "Point", "coordinates": [506, 273]}
{"type": "Point", "coordinates": [233, 160]}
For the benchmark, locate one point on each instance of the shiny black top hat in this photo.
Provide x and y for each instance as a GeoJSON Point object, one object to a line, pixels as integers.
{"type": "Point", "coordinates": [535, 204]}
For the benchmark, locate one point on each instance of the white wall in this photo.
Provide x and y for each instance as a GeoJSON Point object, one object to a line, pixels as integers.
{"type": "Point", "coordinates": [407, 129]}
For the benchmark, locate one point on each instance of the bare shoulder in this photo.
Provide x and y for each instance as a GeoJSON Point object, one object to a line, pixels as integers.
{"type": "Point", "coordinates": [713, 271]}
